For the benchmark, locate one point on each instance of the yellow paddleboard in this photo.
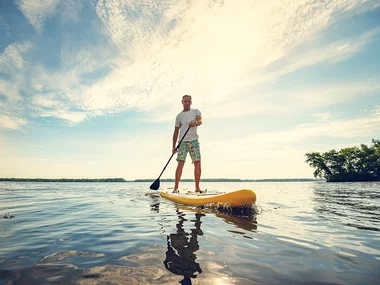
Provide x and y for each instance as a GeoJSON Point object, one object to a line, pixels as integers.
{"type": "Point", "coordinates": [236, 198]}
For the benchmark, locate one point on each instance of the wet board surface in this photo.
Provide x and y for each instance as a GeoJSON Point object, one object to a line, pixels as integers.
{"type": "Point", "coordinates": [235, 198]}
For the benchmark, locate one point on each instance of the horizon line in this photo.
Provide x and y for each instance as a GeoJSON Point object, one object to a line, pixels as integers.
{"type": "Point", "coordinates": [149, 179]}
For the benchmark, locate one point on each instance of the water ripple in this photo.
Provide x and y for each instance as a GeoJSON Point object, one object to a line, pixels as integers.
{"type": "Point", "coordinates": [301, 233]}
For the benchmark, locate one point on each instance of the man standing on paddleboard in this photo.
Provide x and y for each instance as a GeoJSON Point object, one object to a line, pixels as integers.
{"type": "Point", "coordinates": [188, 120]}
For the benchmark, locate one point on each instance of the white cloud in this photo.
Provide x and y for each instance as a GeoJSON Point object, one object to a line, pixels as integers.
{"type": "Point", "coordinates": [333, 52]}
{"type": "Point", "coordinates": [354, 128]}
{"type": "Point", "coordinates": [11, 122]}
{"type": "Point", "coordinates": [375, 82]}
{"type": "Point", "coordinates": [166, 49]}
{"type": "Point", "coordinates": [297, 100]}
{"type": "Point", "coordinates": [71, 10]}
{"type": "Point", "coordinates": [218, 51]}
{"type": "Point", "coordinates": [4, 26]}
{"type": "Point", "coordinates": [330, 95]}
{"type": "Point", "coordinates": [11, 60]}
{"type": "Point", "coordinates": [85, 58]}
{"type": "Point", "coordinates": [131, 21]}
{"type": "Point", "coordinates": [281, 153]}
{"type": "Point", "coordinates": [37, 11]}
{"type": "Point", "coordinates": [71, 116]}
{"type": "Point", "coordinates": [57, 93]}
{"type": "Point", "coordinates": [47, 100]}
{"type": "Point", "coordinates": [263, 155]}
{"type": "Point", "coordinates": [349, 129]}
{"type": "Point", "coordinates": [322, 117]}
{"type": "Point", "coordinates": [9, 90]}
{"type": "Point", "coordinates": [175, 51]}
{"type": "Point", "coordinates": [12, 64]}
{"type": "Point", "coordinates": [377, 110]}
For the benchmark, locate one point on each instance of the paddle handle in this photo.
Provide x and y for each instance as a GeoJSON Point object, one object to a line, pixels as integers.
{"type": "Point", "coordinates": [175, 149]}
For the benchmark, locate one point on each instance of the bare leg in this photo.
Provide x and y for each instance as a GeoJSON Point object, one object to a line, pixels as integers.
{"type": "Point", "coordinates": [197, 174]}
{"type": "Point", "coordinates": [178, 174]}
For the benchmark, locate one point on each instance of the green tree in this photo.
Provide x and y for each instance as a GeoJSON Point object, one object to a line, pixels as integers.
{"type": "Point", "coordinates": [315, 160]}
{"type": "Point", "coordinates": [349, 164]}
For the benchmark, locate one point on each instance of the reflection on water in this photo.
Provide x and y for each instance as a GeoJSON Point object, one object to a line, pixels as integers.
{"type": "Point", "coordinates": [180, 256]}
{"type": "Point", "coordinates": [57, 269]}
{"type": "Point", "coordinates": [242, 218]}
{"type": "Point", "coordinates": [182, 245]}
{"type": "Point", "coordinates": [42, 274]}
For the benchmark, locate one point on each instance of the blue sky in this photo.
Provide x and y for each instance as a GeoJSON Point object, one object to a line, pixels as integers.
{"type": "Point", "coordinates": [91, 88]}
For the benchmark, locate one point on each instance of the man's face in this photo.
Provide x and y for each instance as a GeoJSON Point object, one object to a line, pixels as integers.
{"type": "Point", "coordinates": [186, 102]}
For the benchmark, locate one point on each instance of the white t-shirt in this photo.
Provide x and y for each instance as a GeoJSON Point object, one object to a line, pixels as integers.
{"type": "Point", "coordinates": [183, 120]}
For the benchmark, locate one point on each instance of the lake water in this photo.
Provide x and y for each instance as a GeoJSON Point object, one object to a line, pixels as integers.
{"type": "Point", "coordinates": [123, 233]}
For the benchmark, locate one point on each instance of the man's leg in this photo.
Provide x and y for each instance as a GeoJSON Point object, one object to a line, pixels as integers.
{"type": "Point", "coordinates": [178, 174]}
{"type": "Point", "coordinates": [181, 158]}
{"type": "Point", "coordinates": [197, 174]}
{"type": "Point", "coordinates": [195, 154]}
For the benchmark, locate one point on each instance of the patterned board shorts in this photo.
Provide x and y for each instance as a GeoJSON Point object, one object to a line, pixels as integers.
{"type": "Point", "coordinates": [192, 147]}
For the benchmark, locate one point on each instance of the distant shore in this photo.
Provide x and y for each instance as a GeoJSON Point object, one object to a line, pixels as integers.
{"type": "Point", "coordinates": [236, 180]}
{"type": "Point", "coordinates": [64, 179]}
{"type": "Point", "coordinates": [162, 180]}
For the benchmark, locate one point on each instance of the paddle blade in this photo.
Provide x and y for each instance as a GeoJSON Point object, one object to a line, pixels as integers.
{"type": "Point", "coordinates": [155, 185]}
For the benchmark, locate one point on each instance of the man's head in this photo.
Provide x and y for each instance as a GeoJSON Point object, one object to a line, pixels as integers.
{"type": "Point", "coordinates": [186, 102]}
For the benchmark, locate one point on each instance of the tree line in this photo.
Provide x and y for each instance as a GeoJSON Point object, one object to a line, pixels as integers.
{"type": "Point", "coordinates": [232, 180]}
{"type": "Point", "coordinates": [162, 180]}
{"type": "Point", "coordinates": [63, 180]}
{"type": "Point", "coordinates": [348, 164]}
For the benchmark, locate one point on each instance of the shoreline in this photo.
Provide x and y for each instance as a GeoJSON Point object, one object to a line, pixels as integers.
{"type": "Point", "coordinates": [151, 180]}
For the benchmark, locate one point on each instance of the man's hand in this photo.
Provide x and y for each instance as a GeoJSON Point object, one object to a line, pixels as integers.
{"type": "Point", "coordinates": [174, 150]}
{"type": "Point", "coordinates": [193, 123]}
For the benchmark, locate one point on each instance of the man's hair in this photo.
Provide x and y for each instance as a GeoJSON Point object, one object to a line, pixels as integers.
{"type": "Point", "coordinates": [183, 97]}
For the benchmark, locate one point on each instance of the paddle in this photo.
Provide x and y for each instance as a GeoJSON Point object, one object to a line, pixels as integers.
{"type": "Point", "coordinates": [156, 184]}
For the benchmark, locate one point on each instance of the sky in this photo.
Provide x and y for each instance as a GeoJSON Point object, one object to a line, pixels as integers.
{"type": "Point", "coordinates": [91, 88]}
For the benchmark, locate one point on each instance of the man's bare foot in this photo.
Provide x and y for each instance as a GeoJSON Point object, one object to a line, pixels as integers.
{"type": "Point", "coordinates": [200, 191]}
{"type": "Point", "coordinates": [175, 190]}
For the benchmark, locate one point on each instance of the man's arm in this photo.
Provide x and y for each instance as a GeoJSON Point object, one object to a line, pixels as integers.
{"type": "Point", "coordinates": [198, 119]}
{"type": "Point", "coordinates": [175, 137]}
{"type": "Point", "coordinates": [197, 122]}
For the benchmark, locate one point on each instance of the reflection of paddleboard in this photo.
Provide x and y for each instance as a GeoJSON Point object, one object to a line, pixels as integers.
{"type": "Point", "coordinates": [247, 221]}
{"type": "Point", "coordinates": [232, 199]}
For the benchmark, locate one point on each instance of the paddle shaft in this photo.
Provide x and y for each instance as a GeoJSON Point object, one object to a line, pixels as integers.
{"type": "Point", "coordinates": [173, 153]}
